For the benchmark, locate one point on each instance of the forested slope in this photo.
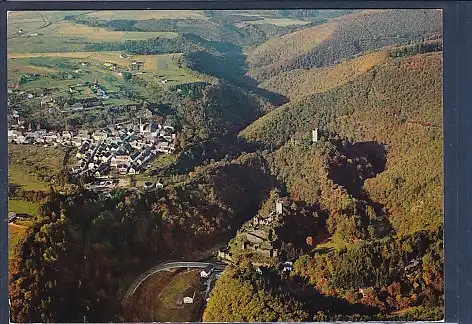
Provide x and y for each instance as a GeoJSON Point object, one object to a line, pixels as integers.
{"type": "Point", "coordinates": [397, 104]}
{"type": "Point", "coordinates": [341, 38]}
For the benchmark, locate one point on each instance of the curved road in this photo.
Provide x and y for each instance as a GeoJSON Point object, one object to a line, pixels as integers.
{"type": "Point", "coordinates": [169, 265]}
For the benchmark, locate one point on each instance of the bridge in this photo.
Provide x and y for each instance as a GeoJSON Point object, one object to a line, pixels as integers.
{"type": "Point", "coordinates": [166, 266]}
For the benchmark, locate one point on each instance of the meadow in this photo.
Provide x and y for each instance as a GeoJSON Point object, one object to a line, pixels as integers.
{"type": "Point", "coordinates": [49, 32]}
{"type": "Point", "coordinates": [46, 63]}
{"type": "Point", "coordinates": [147, 14]}
{"type": "Point", "coordinates": [22, 176]}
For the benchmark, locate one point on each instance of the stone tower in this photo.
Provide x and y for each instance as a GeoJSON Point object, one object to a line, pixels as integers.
{"type": "Point", "coordinates": [279, 208]}
{"type": "Point", "coordinates": [314, 135]}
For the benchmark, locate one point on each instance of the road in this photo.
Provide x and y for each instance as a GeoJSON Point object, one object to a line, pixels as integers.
{"type": "Point", "coordinates": [169, 265]}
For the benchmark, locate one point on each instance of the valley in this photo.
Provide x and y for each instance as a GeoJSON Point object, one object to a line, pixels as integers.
{"type": "Point", "coordinates": [301, 148]}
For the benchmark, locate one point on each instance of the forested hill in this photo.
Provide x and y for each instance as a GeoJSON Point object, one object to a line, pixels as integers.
{"type": "Point", "coordinates": [397, 103]}
{"type": "Point", "coordinates": [341, 38]}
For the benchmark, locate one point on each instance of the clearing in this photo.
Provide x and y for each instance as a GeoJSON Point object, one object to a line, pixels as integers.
{"type": "Point", "coordinates": [159, 298]}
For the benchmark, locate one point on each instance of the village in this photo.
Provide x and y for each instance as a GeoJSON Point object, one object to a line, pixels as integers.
{"type": "Point", "coordinates": [125, 149]}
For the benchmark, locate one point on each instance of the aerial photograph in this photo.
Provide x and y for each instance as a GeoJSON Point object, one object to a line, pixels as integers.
{"type": "Point", "coordinates": [225, 165]}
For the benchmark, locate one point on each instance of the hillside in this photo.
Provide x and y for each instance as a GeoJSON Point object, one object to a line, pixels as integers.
{"type": "Point", "coordinates": [301, 82]}
{"type": "Point", "coordinates": [397, 104]}
{"type": "Point", "coordinates": [341, 38]}
{"type": "Point", "coordinates": [309, 142]}
{"type": "Point", "coordinates": [118, 236]}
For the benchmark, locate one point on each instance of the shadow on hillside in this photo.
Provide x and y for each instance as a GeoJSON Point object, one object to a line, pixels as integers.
{"type": "Point", "coordinates": [226, 147]}
{"type": "Point", "coordinates": [13, 188]}
{"type": "Point", "coordinates": [315, 301]}
{"type": "Point", "coordinates": [231, 67]}
{"type": "Point", "coordinates": [357, 162]}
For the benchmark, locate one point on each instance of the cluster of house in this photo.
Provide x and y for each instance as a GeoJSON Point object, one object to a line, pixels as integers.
{"type": "Point", "coordinates": [39, 136]}
{"type": "Point", "coordinates": [126, 151]}
{"type": "Point", "coordinates": [99, 91]}
{"type": "Point", "coordinates": [133, 65]}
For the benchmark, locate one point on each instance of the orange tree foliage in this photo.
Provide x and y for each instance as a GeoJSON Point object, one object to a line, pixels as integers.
{"type": "Point", "coordinates": [383, 271]}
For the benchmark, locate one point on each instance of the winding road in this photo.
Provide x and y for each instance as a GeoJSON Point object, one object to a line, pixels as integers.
{"type": "Point", "coordinates": [169, 265]}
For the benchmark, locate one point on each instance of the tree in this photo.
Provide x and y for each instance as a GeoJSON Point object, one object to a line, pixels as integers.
{"type": "Point", "coordinates": [127, 76]}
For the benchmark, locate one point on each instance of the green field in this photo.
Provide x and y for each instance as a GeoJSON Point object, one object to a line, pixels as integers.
{"type": "Point", "coordinates": [20, 175]}
{"type": "Point", "coordinates": [29, 165]}
{"type": "Point", "coordinates": [49, 64]}
{"type": "Point", "coordinates": [22, 207]}
{"type": "Point", "coordinates": [175, 75]}
{"type": "Point", "coordinates": [54, 34]}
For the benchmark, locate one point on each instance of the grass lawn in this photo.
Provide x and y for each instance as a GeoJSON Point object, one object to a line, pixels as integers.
{"type": "Point", "coordinates": [29, 163]}
{"type": "Point", "coordinates": [21, 176]}
{"type": "Point", "coordinates": [334, 243]}
{"type": "Point", "coordinates": [22, 207]}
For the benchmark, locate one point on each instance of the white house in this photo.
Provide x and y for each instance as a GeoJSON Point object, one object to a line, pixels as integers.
{"type": "Point", "coordinates": [189, 300]}
{"type": "Point", "coordinates": [288, 266]}
{"type": "Point", "coordinates": [205, 273]}
{"type": "Point", "coordinates": [66, 136]}
{"type": "Point", "coordinates": [99, 136]}
{"type": "Point", "coordinates": [120, 159]}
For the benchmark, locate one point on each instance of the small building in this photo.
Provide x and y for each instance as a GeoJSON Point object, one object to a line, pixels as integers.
{"type": "Point", "coordinates": [12, 216]}
{"type": "Point", "coordinates": [189, 300]}
{"type": "Point", "coordinates": [100, 136]}
{"type": "Point", "coordinates": [77, 106]}
{"type": "Point", "coordinates": [288, 266]}
{"type": "Point", "coordinates": [205, 273]}
{"type": "Point", "coordinates": [135, 65]}
{"type": "Point", "coordinates": [66, 136]}
{"type": "Point", "coordinates": [120, 159]}
{"type": "Point", "coordinates": [413, 264]}
{"type": "Point", "coordinates": [147, 185]}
